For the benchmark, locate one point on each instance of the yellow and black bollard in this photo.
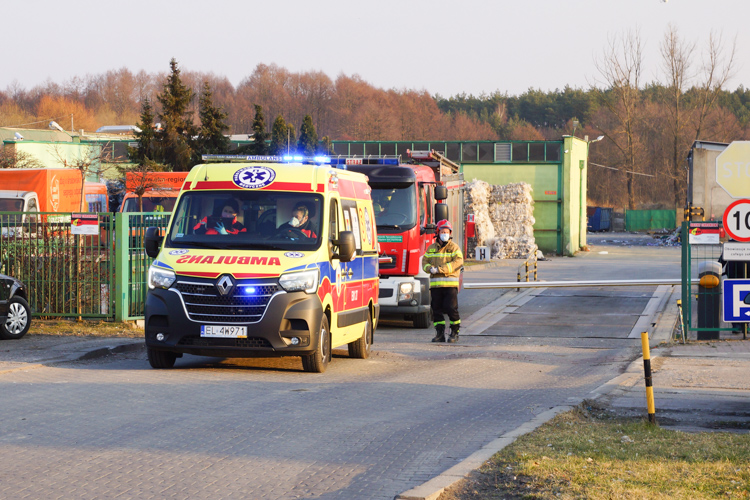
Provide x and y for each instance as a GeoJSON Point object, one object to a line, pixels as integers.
{"type": "Point", "coordinates": [649, 386]}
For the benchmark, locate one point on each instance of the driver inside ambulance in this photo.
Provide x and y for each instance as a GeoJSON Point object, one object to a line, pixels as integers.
{"type": "Point", "coordinates": [223, 223]}
{"type": "Point", "coordinates": [301, 222]}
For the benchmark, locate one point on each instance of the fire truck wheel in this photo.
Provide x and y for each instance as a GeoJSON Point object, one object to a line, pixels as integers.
{"type": "Point", "coordinates": [160, 359]}
{"type": "Point", "coordinates": [317, 362]}
{"type": "Point", "coordinates": [360, 348]}
{"type": "Point", "coordinates": [422, 320]}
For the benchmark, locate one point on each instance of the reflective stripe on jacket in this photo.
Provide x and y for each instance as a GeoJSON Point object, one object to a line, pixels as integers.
{"type": "Point", "coordinates": [448, 260]}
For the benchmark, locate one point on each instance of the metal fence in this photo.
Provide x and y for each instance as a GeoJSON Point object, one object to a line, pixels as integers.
{"type": "Point", "coordinates": [701, 284]}
{"type": "Point", "coordinates": [98, 276]}
{"type": "Point", "coordinates": [68, 275]}
{"type": "Point", "coordinates": [133, 263]}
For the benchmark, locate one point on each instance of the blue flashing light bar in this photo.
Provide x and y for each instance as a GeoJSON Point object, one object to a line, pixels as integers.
{"type": "Point", "coordinates": [339, 162]}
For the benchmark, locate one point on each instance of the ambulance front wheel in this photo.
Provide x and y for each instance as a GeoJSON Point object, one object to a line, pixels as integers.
{"type": "Point", "coordinates": [360, 348]}
{"type": "Point", "coordinates": [317, 362]}
{"type": "Point", "coordinates": [160, 359]}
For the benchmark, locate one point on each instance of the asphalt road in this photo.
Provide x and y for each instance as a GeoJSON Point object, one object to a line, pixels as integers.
{"type": "Point", "coordinates": [262, 428]}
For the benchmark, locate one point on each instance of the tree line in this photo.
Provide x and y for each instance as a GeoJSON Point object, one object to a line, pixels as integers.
{"type": "Point", "coordinates": [648, 126]}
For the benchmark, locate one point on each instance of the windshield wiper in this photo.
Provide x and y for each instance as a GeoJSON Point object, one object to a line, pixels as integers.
{"type": "Point", "coordinates": [252, 246]}
{"type": "Point", "coordinates": [199, 244]}
{"type": "Point", "coordinates": [389, 226]}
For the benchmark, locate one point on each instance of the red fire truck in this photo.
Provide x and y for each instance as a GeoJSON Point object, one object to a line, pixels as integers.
{"type": "Point", "coordinates": [409, 199]}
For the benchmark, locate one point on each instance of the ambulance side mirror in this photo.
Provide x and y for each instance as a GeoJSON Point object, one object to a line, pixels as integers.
{"type": "Point", "coordinates": [441, 211]}
{"type": "Point", "coordinates": [152, 242]}
{"type": "Point", "coordinates": [441, 193]}
{"type": "Point", "coordinates": [346, 245]}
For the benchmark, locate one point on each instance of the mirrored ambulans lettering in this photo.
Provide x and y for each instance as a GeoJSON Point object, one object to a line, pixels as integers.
{"type": "Point", "coordinates": [226, 259]}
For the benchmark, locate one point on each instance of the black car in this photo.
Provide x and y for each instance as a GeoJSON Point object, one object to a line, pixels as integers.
{"type": "Point", "coordinates": [15, 313]}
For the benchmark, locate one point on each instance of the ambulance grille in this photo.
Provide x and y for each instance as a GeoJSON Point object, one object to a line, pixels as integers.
{"type": "Point", "coordinates": [206, 305]}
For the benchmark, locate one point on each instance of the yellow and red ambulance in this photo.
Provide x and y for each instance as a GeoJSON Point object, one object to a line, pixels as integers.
{"type": "Point", "coordinates": [264, 256]}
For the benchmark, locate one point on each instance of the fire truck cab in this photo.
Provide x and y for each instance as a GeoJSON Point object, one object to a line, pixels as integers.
{"type": "Point", "coordinates": [408, 201]}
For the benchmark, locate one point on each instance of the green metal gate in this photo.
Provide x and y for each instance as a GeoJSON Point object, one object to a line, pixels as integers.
{"type": "Point", "coordinates": [701, 305]}
{"type": "Point", "coordinates": [132, 263]}
{"type": "Point", "coordinates": [67, 275]}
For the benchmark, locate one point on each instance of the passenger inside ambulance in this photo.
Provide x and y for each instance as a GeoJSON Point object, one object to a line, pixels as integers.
{"type": "Point", "coordinates": [224, 222]}
{"type": "Point", "coordinates": [301, 222]}
{"type": "Point", "coordinates": [256, 219]}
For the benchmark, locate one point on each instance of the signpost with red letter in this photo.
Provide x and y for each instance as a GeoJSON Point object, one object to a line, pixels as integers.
{"type": "Point", "coordinates": [737, 220]}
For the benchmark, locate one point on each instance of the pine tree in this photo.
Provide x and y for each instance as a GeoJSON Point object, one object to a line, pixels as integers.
{"type": "Point", "coordinates": [146, 148]}
{"type": "Point", "coordinates": [260, 136]}
{"type": "Point", "coordinates": [211, 138]}
{"type": "Point", "coordinates": [308, 138]}
{"type": "Point", "coordinates": [279, 137]}
{"type": "Point", "coordinates": [176, 138]}
{"type": "Point", "coordinates": [325, 146]}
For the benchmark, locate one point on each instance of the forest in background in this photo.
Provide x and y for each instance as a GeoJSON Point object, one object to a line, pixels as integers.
{"type": "Point", "coordinates": [648, 126]}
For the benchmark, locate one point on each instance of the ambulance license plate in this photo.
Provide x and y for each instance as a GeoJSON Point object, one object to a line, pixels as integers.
{"type": "Point", "coordinates": [224, 331]}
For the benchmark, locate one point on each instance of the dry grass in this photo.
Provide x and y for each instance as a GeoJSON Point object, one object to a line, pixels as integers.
{"type": "Point", "coordinates": [83, 328]}
{"type": "Point", "coordinates": [588, 453]}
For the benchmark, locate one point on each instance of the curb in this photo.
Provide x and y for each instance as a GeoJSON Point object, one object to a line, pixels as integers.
{"type": "Point", "coordinates": [433, 488]}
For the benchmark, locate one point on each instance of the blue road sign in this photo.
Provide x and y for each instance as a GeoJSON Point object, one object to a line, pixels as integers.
{"type": "Point", "coordinates": [736, 298]}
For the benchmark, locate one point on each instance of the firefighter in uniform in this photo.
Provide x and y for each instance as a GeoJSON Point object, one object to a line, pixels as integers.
{"type": "Point", "coordinates": [443, 261]}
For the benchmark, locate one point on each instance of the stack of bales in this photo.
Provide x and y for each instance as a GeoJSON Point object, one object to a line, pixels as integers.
{"type": "Point", "coordinates": [504, 218]}
{"type": "Point", "coordinates": [476, 201]}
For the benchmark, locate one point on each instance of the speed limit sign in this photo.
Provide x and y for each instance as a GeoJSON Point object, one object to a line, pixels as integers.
{"type": "Point", "coordinates": [737, 220]}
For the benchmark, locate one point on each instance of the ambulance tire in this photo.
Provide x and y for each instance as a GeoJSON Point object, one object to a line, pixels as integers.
{"type": "Point", "coordinates": [160, 359]}
{"type": "Point", "coordinates": [317, 362]}
{"type": "Point", "coordinates": [422, 320]}
{"type": "Point", "coordinates": [360, 348]}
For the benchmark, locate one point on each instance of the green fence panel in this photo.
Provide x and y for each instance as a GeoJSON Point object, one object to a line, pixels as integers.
{"type": "Point", "coordinates": [67, 274]}
{"type": "Point", "coordinates": [700, 305]}
{"type": "Point", "coordinates": [644, 220]}
{"type": "Point", "coordinates": [132, 263]}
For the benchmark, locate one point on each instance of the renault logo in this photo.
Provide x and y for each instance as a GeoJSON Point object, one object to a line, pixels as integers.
{"type": "Point", "coordinates": [225, 285]}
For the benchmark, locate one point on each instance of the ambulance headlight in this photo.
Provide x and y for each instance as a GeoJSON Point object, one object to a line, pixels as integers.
{"type": "Point", "coordinates": [160, 278]}
{"type": "Point", "coordinates": [296, 282]}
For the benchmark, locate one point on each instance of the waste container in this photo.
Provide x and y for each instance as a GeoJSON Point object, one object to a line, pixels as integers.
{"type": "Point", "coordinates": [709, 299]}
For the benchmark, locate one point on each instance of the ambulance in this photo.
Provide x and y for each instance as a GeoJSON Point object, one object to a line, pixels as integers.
{"type": "Point", "coordinates": [264, 256]}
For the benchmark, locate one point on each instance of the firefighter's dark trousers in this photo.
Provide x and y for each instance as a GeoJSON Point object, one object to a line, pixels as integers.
{"type": "Point", "coordinates": [445, 301]}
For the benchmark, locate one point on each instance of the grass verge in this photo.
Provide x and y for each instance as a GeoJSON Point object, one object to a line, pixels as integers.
{"type": "Point", "coordinates": [590, 453]}
{"type": "Point", "coordinates": [83, 328]}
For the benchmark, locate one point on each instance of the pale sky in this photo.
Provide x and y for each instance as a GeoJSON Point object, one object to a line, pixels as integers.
{"type": "Point", "coordinates": [444, 47]}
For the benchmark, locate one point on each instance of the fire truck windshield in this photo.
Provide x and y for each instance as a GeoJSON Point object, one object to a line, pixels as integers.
{"type": "Point", "coordinates": [395, 208]}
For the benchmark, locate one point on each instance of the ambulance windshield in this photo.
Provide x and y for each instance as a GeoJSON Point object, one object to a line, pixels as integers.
{"type": "Point", "coordinates": [247, 220]}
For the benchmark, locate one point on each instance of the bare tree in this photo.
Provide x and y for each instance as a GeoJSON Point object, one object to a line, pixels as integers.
{"type": "Point", "coordinates": [10, 157]}
{"type": "Point", "coordinates": [717, 69]}
{"type": "Point", "coordinates": [91, 159]}
{"type": "Point", "coordinates": [620, 67]}
{"type": "Point", "coordinates": [677, 55]}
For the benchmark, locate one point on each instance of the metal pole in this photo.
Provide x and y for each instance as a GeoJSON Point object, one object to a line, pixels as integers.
{"type": "Point", "coordinates": [649, 387]}
{"type": "Point", "coordinates": [527, 270]}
